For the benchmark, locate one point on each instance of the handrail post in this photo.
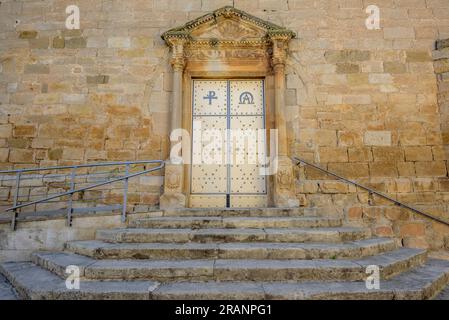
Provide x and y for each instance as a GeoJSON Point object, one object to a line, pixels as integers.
{"type": "Point", "coordinates": [70, 202]}
{"type": "Point", "coordinates": [125, 193]}
{"type": "Point", "coordinates": [16, 199]}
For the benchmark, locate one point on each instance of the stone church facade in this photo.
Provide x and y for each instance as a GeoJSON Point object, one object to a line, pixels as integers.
{"type": "Point", "coordinates": [369, 105]}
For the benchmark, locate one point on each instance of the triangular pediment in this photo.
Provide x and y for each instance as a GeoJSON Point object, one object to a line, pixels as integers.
{"type": "Point", "coordinates": [224, 25]}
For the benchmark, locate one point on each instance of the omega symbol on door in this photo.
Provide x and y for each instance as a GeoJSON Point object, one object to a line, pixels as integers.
{"type": "Point", "coordinates": [246, 98]}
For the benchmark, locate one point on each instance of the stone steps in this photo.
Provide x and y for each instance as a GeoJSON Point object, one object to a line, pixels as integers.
{"type": "Point", "coordinates": [34, 282]}
{"type": "Point", "coordinates": [337, 234]}
{"type": "Point", "coordinates": [197, 222]}
{"type": "Point", "coordinates": [421, 283]}
{"type": "Point", "coordinates": [7, 292]}
{"type": "Point", "coordinates": [238, 250]}
{"type": "Point", "coordinates": [231, 254]}
{"type": "Point", "coordinates": [390, 263]}
{"type": "Point", "coordinates": [444, 294]}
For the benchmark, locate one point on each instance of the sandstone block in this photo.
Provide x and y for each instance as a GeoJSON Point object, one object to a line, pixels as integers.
{"type": "Point", "coordinates": [394, 67]}
{"type": "Point", "coordinates": [142, 42]}
{"type": "Point", "coordinates": [399, 33]}
{"type": "Point", "coordinates": [383, 169]}
{"type": "Point", "coordinates": [131, 53]}
{"type": "Point", "coordinates": [119, 42]}
{"type": "Point", "coordinates": [355, 213]}
{"type": "Point", "coordinates": [98, 79]}
{"type": "Point", "coordinates": [347, 68]}
{"type": "Point", "coordinates": [395, 213]}
{"type": "Point", "coordinates": [416, 242]}
{"type": "Point", "coordinates": [120, 155]}
{"type": "Point", "coordinates": [372, 213]}
{"type": "Point", "coordinates": [383, 231]}
{"type": "Point", "coordinates": [350, 170]}
{"type": "Point", "coordinates": [334, 187]}
{"type": "Point", "coordinates": [333, 79]}
{"type": "Point", "coordinates": [380, 78]}
{"type": "Point", "coordinates": [357, 99]}
{"type": "Point", "coordinates": [418, 56]}
{"type": "Point", "coordinates": [443, 184]}
{"type": "Point", "coordinates": [21, 156]}
{"type": "Point", "coordinates": [19, 143]}
{"type": "Point", "coordinates": [406, 169]}
{"type": "Point", "coordinates": [4, 153]}
{"type": "Point", "coordinates": [349, 138]}
{"type": "Point", "coordinates": [330, 154]}
{"type": "Point", "coordinates": [37, 68]}
{"type": "Point", "coordinates": [360, 154]}
{"type": "Point", "coordinates": [419, 153]}
{"type": "Point", "coordinates": [388, 154]}
{"type": "Point", "coordinates": [424, 184]}
{"type": "Point", "coordinates": [74, 98]}
{"type": "Point", "coordinates": [334, 56]}
{"type": "Point", "coordinates": [378, 138]}
{"type": "Point", "coordinates": [399, 186]}
{"type": "Point", "coordinates": [72, 32]}
{"type": "Point", "coordinates": [28, 34]}
{"type": "Point", "coordinates": [75, 43]}
{"type": "Point", "coordinates": [92, 154]}
{"type": "Point", "coordinates": [440, 152]}
{"type": "Point", "coordinates": [5, 130]}
{"type": "Point", "coordinates": [58, 42]}
{"type": "Point", "coordinates": [72, 154]}
{"type": "Point", "coordinates": [46, 98]}
{"type": "Point", "coordinates": [55, 154]}
{"type": "Point", "coordinates": [40, 43]}
{"type": "Point", "coordinates": [412, 229]}
{"type": "Point", "coordinates": [25, 131]}
{"type": "Point", "coordinates": [431, 169]}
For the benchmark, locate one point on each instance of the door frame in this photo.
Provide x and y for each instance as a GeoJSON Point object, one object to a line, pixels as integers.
{"type": "Point", "coordinates": [187, 115]}
{"type": "Point", "coordinates": [229, 43]}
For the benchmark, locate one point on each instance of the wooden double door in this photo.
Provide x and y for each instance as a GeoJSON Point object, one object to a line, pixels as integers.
{"type": "Point", "coordinates": [228, 144]}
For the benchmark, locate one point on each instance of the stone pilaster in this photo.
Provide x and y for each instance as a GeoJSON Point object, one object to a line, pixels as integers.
{"type": "Point", "coordinates": [284, 182]}
{"type": "Point", "coordinates": [173, 196]}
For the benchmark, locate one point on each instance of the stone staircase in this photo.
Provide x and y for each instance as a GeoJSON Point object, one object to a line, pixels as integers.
{"type": "Point", "coordinates": [231, 254]}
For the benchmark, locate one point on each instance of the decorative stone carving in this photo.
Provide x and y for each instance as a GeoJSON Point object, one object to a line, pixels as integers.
{"type": "Point", "coordinates": [173, 196]}
{"type": "Point", "coordinates": [172, 178]}
{"type": "Point", "coordinates": [284, 195]}
{"type": "Point", "coordinates": [224, 54]}
{"type": "Point", "coordinates": [284, 178]}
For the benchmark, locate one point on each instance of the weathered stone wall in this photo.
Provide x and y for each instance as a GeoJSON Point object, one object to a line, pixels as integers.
{"type": "Point", "coordinates": [142, 191]}
{"type": "Point", "coordinates": [52, 234]}
{"type": "Point", "coordinates": [362, 103]}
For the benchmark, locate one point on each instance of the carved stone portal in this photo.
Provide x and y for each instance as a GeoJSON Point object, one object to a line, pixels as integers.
{"type": "Point", "coordinates": [227, 44]}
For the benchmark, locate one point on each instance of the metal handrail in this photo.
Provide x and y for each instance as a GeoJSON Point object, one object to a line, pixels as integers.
{"type": "Point", "coordinates": [91, 165]}
{"type": "Point", "coordinates": [72, 191]}
{"type": "Point", "coordinates": [371, 191]}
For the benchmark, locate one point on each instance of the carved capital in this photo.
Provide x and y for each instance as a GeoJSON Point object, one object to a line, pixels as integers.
{"type": "Point", "coordinates": [177, 43]}
{"type": "Point", "coordinates": [178, 63]}
{"type": "Point", "coordinates": [280, 39]}
{"type": "Point", "coordinates": [279, 52]}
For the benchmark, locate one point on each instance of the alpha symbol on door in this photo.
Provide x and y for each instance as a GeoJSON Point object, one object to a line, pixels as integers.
{"type": "Point", "coordinates": [246, 98]}
{"type": "Point", "coordinates": [212, 95]}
